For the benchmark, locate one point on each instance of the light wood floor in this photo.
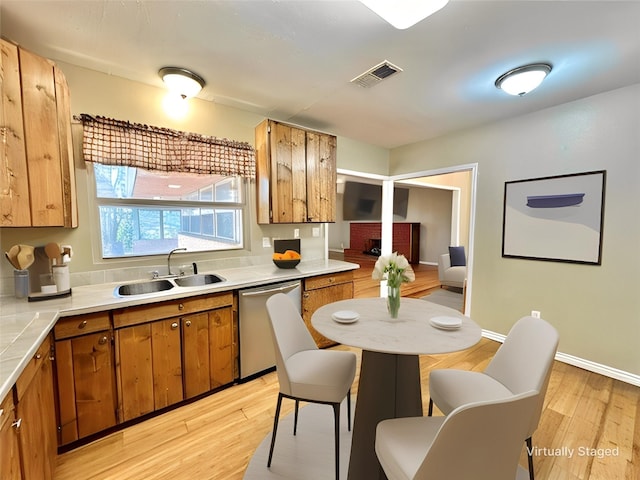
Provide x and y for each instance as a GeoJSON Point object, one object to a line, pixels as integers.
{"type": "Point", "coordinates": [590, 427]}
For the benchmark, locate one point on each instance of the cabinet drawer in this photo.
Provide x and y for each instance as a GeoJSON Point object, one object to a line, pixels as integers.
{"type": "Point", "coordinates": [156, 311]}
{"type": "Point", "coordinates": [42, 354]}
{"type": "Point", "coordinates": [322, 281]}
{"type": "Point", "coordinates": [69, 327]}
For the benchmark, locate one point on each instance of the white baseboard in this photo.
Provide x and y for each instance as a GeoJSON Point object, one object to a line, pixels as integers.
{"type": "Point", "coordinates": [605, 370]}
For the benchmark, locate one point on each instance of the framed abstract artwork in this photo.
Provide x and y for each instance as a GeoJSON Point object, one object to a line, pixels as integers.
{"type": "Point", "coordinates": [556, 219]}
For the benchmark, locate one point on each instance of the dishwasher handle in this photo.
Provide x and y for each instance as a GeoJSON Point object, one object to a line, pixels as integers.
{"type": "Point", "coordinates": [271, 291]}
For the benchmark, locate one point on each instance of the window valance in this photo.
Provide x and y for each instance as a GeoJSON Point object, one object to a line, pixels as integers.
{"type": "Point", "coordinates": [117, 142]}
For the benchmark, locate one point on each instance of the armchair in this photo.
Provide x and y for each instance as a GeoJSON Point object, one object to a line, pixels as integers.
{"type": "Point", "coordinates": [451, 276]}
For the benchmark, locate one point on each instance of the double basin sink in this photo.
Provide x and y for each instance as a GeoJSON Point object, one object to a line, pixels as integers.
{"type": "Point", "coordinates": [154, 286]}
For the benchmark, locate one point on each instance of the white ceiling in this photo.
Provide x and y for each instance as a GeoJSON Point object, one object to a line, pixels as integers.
{"type": "Point", "coordinates": [293, 60]}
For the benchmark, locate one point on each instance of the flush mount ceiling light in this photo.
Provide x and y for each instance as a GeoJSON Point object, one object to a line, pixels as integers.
{"type": "Point", "coordinates": [181, 81]}
{"type": "Point", "coordinates": [522, 80]}
{"type": "Point", "coordinates": [404, 13]}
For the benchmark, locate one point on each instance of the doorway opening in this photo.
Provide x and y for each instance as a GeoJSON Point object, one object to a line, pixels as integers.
{"type": "Point", "coordinates": [456, 182]}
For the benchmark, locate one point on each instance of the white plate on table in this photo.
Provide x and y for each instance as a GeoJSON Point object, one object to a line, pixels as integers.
{"type": "Point", "coordinates": [446, 323]}
{"type": "Point", "coordinates": [345, 316]}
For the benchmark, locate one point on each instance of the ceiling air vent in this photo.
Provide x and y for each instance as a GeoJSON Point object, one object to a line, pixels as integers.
{"type": "Point", "coordinates": [376, 74]}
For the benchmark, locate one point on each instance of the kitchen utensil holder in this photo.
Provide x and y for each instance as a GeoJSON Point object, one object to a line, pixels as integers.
{"type": "Point", "coordinates": [61, 277]}
{"type": "Point", "coordinates": [21, 283]}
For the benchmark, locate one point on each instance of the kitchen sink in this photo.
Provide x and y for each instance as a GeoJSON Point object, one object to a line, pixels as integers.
{"type": "Point", "coordinates": [143, 287]}
{"type": "Point", "coordinates": [198, 280]}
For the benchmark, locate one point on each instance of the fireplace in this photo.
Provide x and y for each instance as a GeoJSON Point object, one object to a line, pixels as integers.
{"type": "Point", "coordinates": [372, 247]}
{"type": "Point", "coordinates": [365, 238]}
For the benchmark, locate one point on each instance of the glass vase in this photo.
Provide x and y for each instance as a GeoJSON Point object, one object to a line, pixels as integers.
{"type": "Point", "coordinates": [393, 300]}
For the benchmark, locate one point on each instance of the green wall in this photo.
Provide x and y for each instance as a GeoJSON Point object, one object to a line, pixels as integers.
{"type": "Point", "coordinates": [596, 309]}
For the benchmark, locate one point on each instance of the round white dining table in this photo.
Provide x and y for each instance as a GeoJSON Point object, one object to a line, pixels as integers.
{"type": "Point", "coordinates": [389, 384]}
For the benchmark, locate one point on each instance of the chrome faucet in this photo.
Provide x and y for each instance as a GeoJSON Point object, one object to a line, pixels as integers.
{"type": "Point", "coordinates": [169, 259]}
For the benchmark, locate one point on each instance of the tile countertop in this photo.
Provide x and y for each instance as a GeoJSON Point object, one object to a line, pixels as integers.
{"type": "Point", "coordinates": [24, 325]}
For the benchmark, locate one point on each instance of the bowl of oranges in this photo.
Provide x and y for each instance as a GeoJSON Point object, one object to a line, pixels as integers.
{"type": "Point", "coordinates": [286, 259]}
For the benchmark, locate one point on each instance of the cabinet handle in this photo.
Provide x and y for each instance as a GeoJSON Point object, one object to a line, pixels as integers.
{"type": "Point", "coordinates": [188, 323]}
{"type": "Point", "coordinates": [180, 306]}
{"type": "Point", "coordinates": [82, 324]}
{"type": "Point", "coordinates": [17, 424]}
{"type": "Point", "coordinates": [38, 356]}
{"type": "Point", "coordinates": [102, 340]}
{"type": "Point", "coordinates": [305, 295]}
{"type": "Point", "coordinates": [1, 411]}
{"type": "Point", "coordinates": [174, 325]}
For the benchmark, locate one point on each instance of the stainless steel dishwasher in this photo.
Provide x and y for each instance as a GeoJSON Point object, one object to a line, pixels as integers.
{"type": "Point", "coordinates": [256, 345]}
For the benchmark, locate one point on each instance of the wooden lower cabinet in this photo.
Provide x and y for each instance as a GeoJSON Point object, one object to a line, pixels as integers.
{"type": "Point", "coordinates": [166, 360]}
{"type": "Point", "coordinates": [319, 291]}
{"type": "Point", "coordinates": [195, 355]}
{"type": "Point", "coordinates": [36, 416]}
{"type": "Point", "coordinates": [208, 358]}
{"type": "Point", "coordinates": [135, 374]}
{"type": "Point", "coordinates": [221, 341]}
{"type": "Point", "coordinates": [85, 376]}
{"type": "Point", "coordinates": [166, 363]}
{"type": "Point", "coordinates": [113, 367]}
{"type": "Point", "coordinates": [9, 448]}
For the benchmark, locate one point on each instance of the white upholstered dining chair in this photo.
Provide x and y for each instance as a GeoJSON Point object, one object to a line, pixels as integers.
{"type": "Point", "coordinates": [479, 441]}
{"type": "Point", "coordinates": [522, 363]}
{"type": "Point", "coordinates": [304, 371]}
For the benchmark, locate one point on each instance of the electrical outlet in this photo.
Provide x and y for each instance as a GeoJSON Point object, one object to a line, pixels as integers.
{"type": "Point", "coordinates": [266, 242]}
{"type": "Point", "coordinates": [535, 313]}
{"type": "Point", "coordinates": [315, 231]}
{"type": "Point", "coordinates": [296, 233]}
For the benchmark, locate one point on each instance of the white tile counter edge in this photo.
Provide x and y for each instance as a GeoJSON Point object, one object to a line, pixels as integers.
{"type": "Point", "coordinates": [37, 319]}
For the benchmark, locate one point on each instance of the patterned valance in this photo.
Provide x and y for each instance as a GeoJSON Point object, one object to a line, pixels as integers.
{"type": "Point", "coordinates": [117, 142]}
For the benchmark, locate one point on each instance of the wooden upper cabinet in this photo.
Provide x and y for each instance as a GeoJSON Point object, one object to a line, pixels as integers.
{"type": "Point", "coordinates": [321, 177]}
{"type": "Point", "coordinates": [37, 184]}
{"type": "Point", "coordinates": [295, 174]}
{"type": "Point", "coordinates": [14, 180]}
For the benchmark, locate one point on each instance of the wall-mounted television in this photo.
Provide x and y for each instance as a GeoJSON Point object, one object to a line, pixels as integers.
{"type": "Point", "coordinates": [363, 201]}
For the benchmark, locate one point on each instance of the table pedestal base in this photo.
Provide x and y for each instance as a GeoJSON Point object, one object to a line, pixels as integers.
{"type": "Point", "coordinates": [389, 387]}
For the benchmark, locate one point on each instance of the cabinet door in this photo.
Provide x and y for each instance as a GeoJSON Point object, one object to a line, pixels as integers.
{"type": "Point", "coordinates": [321, 178]}
{"type": "Point", "coordinates": [149, 367]}
{"type": "Point", "coordinates": [288, 174]}
{"type": "Point", "coordinates": [166, 362]}
{"type": "Point", "coordinates": [314, 299]}
{"type": "Point", "coordinates": [41, 140]}
{"type": "Point", "coordinates": [14, 180]}
{"type": "Point", "coordinates": [208, 355]}
{"type": "Point", "coordinates": [69, 197]}
{"type": "Point", "coordinates": [9, 454]}
{"type": "Point", "coordinates": [134, 371]}
{"type": "Point", "coordinates": [221, 342]}
{"type": "Point", "coordinates": [36, 410]}
{"type": "Point", "coordinates": [195, 354]}
{"type": "Point", "coordinates": [86, 385]}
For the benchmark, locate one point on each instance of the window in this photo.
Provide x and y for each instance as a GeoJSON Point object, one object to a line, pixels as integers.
{"type": "Point", "coordinates": [146, 212]}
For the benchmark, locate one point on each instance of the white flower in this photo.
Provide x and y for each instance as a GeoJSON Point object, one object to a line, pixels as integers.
{"type": "Point", "coordinates": [394, 268]}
